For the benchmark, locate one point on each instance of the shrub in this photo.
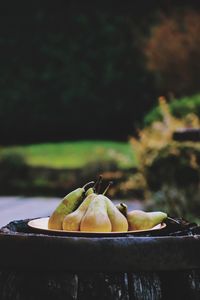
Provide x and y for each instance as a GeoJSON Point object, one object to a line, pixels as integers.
{"type": "Point", "coordinates": [178, 201]}
{"type": "Point", "coordinates": [13, 172]}
{"type": "Point", "coordinates": [174, 164]}
{"type": "Point", "coordinates": [165, 162]}
{"type": "Point", "coordinates": [12, 160]}
{"type": "Point", "coordinates": [178, 108]}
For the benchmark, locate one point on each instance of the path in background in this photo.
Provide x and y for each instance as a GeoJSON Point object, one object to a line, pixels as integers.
{"type": "Point", "coordinates": [17, 208]}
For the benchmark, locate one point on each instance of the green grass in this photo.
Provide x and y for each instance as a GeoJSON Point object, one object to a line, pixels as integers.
{"type": "Point", "coordinates": [75, 154]}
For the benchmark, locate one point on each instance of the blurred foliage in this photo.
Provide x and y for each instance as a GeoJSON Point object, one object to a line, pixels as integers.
{"type": "Point", "coordinates": [12, 160]}
{"type": "Point", "coordinates": [178, 108]}
{"type": "Point", "coordinates": [80, 72]}
{"type": "Point", "coordinates": [17, 176]}
{"type": "Point", "coordinates": [175, 59]}
{"type": "Point", "coordinates": [177, 201]}
{"type": "Point", "coordinates": [13, 172]}
{"type": "Point", "coordinates": [73, 72]}
{"type": "Point", "coordinates": [134, 186]}
{"type": "Point", "coordinates": [157, 136]}
{"type": "Point", "coordinates": [74, 154]}
{"type": "Point", "coordinates": [177, 163]}
{"type": "Point", "coordinates": [166, 162]}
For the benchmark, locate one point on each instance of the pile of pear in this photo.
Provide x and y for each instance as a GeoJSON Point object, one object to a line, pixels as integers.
{"type": "Point", "coordinates": [85, 210]}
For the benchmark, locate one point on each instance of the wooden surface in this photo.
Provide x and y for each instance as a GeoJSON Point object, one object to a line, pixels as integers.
{"type": "Point", "coordinates": [35, 281]}
{"type": "Point", "coordinates": [29, 285]}
{"type": "Point", "coordinates": [17, 208]}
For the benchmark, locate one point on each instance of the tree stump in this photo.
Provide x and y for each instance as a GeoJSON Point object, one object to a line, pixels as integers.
{"type": "Point", "coordinates": [37, 266]}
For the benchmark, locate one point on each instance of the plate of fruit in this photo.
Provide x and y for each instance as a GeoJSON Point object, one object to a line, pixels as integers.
{"type": "Point", "coordinates": [86, 212]}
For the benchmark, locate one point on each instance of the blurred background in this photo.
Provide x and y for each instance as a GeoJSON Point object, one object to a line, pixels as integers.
{"type": "Point", "coordinates": [93, 88]}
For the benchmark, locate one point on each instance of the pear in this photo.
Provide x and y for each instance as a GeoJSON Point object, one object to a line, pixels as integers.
{"type": "Point", "coordinates": [117, 219]}
{"type": "Point", "coordinates": [140, 220]}
{"type": "Point", "coordinates": [122, 207]}
{"type": "Point", "coordinates": [95, 188]}
{"type": "Point", "coordinates": [69, 203]}
{"type": "Point", "coordinates": [89, 192]}
{"type": "Point", "coordinates": [73, 220]}
{"type": "Point", "coordinates": [96, 217]}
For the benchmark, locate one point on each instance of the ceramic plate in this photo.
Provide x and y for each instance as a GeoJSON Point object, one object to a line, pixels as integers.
{"type": "Point", "coordinates": [41, 225]}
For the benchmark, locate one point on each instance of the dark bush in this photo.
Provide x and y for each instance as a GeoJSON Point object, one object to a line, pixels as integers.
{"type": "Point", "coordinates": [12, 161]}
{"type": "Point", "coordinates": [181, 168]}
{"type": "Point", "coordinates": [170, 168]}
{"type": "Point", "coordinates": [13, 172]}
{"type": "Point", "coordinates": [177, 201]}
{"type": "Point", "coordinates": [174, 180]}
{"type": "Point", "coordinates": [18, 178]}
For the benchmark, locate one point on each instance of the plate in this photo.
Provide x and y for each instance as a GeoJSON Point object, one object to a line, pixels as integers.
{"type": "Point", "coordinates": [41, 225]}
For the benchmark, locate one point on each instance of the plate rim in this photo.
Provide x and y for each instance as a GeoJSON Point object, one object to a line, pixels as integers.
{"type": "Point", "coordinates": [162, 226]}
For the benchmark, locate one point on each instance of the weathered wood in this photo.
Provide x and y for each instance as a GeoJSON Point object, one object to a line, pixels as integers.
{"type": "Point", "coordinates": [36, 266]}
{"type": "Point", "coordinates": [194, 284]}
{"type": "Point", "coordinates": [145, 286]}
{"type": "Point", "coordinates": [135, 253]}
{"type": "Point", "coordinates": [175, 285]}
{"type": "Point", "coordinates": [98, 286]}
{"type": "Point", "coordinates": [31, 285]}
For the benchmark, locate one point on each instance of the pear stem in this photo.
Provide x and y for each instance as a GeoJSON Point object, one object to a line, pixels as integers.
{"type": "Point", "coordinates": [123, 205]}
{"type": "Point", "coordinates": [97, 185]}
{"type": "Point", "coordinates": [88, 184]}
{"type": "Point", "coordinates": [110, 183]}
{"type": "Point", "coordinates": [123, 209]}
{"type": "Point", "coordinates": [173, 220]}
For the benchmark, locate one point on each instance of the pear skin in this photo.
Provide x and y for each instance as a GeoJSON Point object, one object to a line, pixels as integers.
{"type": "Point", "coordinates": [117, 219]}
{"type": "Point", "coordinates": [96, 218]}
{"type": "Point", "coordinates": [69, 203]}
{"type": "Point", "coordinates": [140, 220]}
{"type": "Point", "coordinates": [89, 192]}
{"type": "Point", "coordinates": [157, 217]}
{"type": "Point", "coordinates": [72, 221]}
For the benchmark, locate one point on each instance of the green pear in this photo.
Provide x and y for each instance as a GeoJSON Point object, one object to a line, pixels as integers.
{"type": "Point", "coordinates": [72, 221]}
{"type": "Point", "coordinates": [96, 217]}
{"type": "Point", "coordinates": [69, 203]}
{"type": "Point", "coordinates": [140, 220]}
{"type": "Point", "coordinates": [89, 192]}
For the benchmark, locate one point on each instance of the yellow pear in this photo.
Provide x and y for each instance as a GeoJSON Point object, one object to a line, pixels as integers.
{"type": "Point", "coordinates": [117, 219]}
{"type": "Point", "coordinates": [140, 220]}
{"type": "Point", "coordinates": [96, 217]}
{"type": "Point", "coordinates": [72, 221]}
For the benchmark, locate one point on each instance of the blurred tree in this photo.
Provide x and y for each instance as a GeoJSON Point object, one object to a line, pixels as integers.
{"type": "Point", "coordinates": [173, 52]}
{"type": "Point", "coordinates": [71, 73]}
{"type": "Point", "coordinates": [75, 70]}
